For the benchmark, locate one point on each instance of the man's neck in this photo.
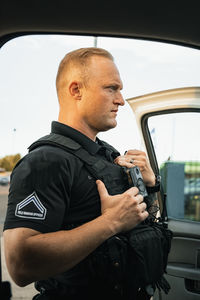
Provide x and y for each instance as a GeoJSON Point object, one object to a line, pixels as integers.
{"type": "Point", "coordinates": [80, 127]}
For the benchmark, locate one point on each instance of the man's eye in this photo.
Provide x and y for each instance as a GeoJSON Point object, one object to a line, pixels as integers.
{"type": "Point", "coordinates": [113, 88]}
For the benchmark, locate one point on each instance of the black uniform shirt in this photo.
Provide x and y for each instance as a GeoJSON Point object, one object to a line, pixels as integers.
{"type": "Point", "coordinates": [51, 189]}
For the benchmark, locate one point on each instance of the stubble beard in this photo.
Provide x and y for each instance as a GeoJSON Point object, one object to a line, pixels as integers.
{"type": "Point", "coordinates": [107, 126]}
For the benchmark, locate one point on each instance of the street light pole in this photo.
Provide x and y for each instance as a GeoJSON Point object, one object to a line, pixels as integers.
{"type": "Point", "coordinates": [95, 41]}
{"type": "Point", "coordinates": [14, 134]}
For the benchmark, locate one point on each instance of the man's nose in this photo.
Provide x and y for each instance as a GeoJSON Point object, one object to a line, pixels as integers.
{"type": "Point", "coordinates": [120, 99]}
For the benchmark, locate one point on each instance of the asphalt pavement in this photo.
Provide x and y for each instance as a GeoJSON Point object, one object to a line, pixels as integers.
{"type": "Point", "coordinates": [18, 293]}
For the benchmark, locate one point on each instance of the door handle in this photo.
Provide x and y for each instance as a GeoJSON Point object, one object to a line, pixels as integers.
{"type": "Point", "coordinates": [183, 270]}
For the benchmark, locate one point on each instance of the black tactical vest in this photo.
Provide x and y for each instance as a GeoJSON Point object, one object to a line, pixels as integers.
{"type": "Point", "coordinates": [132, 262]}
{"type": "Point", "coordinates": [113, 176]}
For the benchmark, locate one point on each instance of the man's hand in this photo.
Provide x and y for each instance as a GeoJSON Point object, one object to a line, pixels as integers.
{"type": "Point", "coordinates": [138, 158]}
{"type": "Point", "coordinates": [123, 211]}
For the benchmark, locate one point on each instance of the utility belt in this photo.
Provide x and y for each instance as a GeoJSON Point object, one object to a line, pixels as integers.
{"type": "Point", "coordinates": [129, 263]}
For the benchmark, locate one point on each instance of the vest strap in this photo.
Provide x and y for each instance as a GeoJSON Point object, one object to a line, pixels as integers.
{"type": "Point", "coordinates": [93, 164]}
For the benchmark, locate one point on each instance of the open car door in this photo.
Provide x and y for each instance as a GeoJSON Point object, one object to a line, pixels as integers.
{"type": "Point", "coordinates": [169, 123]}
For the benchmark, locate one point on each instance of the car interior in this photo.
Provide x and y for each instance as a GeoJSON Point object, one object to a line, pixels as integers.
{"type": "Point", "coordinates": [167, 116]}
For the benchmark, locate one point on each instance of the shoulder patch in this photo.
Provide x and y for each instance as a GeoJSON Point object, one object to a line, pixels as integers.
{"type": "Point", "coordinates": [31, 208]}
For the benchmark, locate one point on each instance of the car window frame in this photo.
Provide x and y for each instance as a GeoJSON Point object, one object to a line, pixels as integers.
{"type": "Point", "coordinates": [151, 152]}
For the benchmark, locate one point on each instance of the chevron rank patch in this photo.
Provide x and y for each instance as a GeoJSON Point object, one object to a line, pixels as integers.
{"type": "Point", "coordinates": [31, 208]}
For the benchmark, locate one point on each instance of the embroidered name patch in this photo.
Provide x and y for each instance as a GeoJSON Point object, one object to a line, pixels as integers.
{"type": "Point", "coordinates": [31, 208]}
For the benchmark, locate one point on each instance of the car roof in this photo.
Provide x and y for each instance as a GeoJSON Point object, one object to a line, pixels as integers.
{"type": "Point", "coordinates": [169, 21]}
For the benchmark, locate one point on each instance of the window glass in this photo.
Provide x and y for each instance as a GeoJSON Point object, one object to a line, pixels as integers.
{"type": "Point", "coordinates": [28, 70]}
{"type": "Point", "coordinates": [176, 142]}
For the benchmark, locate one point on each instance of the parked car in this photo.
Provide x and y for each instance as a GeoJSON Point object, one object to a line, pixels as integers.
{"type": "Point", "coordinates": [155, 113]}
{"type": "Point", "coordinates": [4, 180]}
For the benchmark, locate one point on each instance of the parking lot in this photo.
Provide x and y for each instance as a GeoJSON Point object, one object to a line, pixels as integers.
{"type": "Point", "coordinates": [18, 293]}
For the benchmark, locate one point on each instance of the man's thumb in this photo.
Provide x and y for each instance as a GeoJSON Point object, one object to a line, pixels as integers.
{"type": "Point", "coordinates": [101, 189]}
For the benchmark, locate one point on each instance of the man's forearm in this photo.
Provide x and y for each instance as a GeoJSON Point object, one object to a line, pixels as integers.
{"type": "Point", "coordinates": [40, 256]}
{"type": "Point", "coordinates": [33, 256]}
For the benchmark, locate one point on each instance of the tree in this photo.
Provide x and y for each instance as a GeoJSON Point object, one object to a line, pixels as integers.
{"type": "Point", "coordinates": [8, 162]}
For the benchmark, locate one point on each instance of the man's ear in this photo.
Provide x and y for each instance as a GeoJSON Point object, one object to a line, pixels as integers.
{"type": "Point", "coordinates": [75, 90]}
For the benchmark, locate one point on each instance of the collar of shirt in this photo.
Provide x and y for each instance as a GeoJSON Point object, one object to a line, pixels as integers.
{"type": "Point", "coordinates": [83, 140]}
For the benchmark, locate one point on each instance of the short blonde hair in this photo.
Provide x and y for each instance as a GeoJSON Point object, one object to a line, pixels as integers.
{"type": "Point", "coordinates": [79, 59]}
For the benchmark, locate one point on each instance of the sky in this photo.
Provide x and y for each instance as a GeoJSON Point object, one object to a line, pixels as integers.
{"type": "Point", "coordinates": [28, 67]}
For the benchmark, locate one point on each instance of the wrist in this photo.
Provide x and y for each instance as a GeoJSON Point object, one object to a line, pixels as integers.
{"type": "Point", "coordinates": [109, 225]}
{"type": "Point", "coordinates": [152, 181]}
{"type": "Point", "coordinates": [112, 225]}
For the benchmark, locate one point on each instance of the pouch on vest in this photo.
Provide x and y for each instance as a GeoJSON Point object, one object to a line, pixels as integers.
{"type": "Point", "coordinates": [148, 249]}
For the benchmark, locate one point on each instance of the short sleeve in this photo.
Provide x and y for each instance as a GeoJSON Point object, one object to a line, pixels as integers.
{"type": "Point", "coordinates": [40, 191]}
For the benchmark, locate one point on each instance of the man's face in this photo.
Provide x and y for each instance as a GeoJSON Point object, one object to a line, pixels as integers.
{"type": "Point", "coordinates": [101, 95]}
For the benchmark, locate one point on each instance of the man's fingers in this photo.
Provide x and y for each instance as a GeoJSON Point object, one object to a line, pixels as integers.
{"type": "Point", "coordinates": [143, 206]}
{"type": "Point", "coordinates": [140, 198]}
{"type": "Point", "coordinates": [133, 191]}
{"type": "Point", "coordinates": [102, 189]}
{"type": "Point", "coordinates": [126, 163]}
{"type": "Point", "coordinates": [135, 152]}
{"type": "Point", "coordinates": [129, 161]}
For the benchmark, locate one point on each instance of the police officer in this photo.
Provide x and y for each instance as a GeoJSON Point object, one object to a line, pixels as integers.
{"type": "Point", "coordinates": [58, 214]}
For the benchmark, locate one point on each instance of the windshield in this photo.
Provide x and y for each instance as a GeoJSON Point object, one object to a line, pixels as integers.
{"type": "Point", "coordinates": [27, 83]}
